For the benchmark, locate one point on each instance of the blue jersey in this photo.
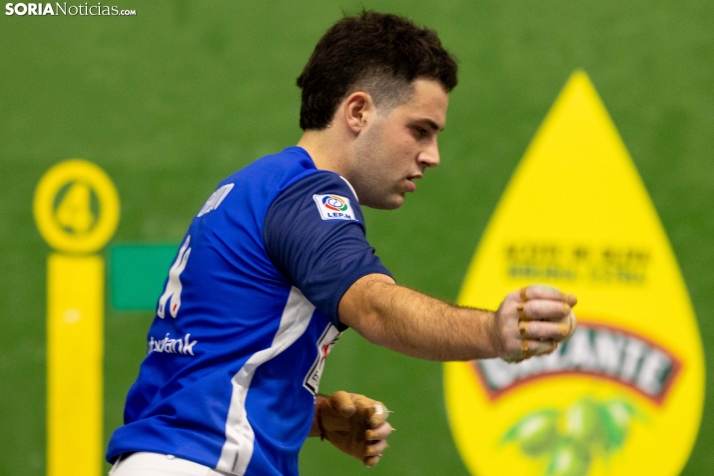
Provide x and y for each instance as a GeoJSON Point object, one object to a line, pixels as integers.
{"type": "Point", "coordinates": [247, 318]}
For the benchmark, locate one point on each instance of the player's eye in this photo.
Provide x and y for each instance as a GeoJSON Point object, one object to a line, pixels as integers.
{"type": "Point", "coordinates": [420, 132]}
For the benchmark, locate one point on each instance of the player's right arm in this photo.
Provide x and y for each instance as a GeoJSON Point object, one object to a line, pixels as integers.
{"type": "Point", "coordinates": [529, 322]}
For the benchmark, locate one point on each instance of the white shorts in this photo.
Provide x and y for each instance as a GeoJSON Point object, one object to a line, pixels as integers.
{"type": "Point", "coordinates": [154, 464]}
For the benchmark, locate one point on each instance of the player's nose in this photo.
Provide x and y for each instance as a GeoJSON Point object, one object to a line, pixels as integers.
{"type": "Point", "coordinates": [429, 157]}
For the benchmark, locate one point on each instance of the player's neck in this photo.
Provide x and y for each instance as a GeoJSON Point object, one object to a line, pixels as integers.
{"type": "Point", "coordinates": [327, 151]}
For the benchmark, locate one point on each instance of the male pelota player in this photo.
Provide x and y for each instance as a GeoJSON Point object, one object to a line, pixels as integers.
{"type": "Point", "coordinates": [276, 264]}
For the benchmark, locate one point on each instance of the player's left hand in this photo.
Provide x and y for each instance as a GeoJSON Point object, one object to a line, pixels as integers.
{"type": "Point", "coordinates": [355, 424]}
{"type": "Point", "coordinates": [533, 321]}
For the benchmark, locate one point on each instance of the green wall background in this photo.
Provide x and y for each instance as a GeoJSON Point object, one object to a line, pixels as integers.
{"type": "Point", "coordinates": [172, 100]}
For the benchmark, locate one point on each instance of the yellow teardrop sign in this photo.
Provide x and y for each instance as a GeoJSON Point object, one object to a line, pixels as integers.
{"type": "Point", "coordinates": [624, 396]}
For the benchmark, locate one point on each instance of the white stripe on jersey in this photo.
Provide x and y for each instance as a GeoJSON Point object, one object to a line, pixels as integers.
{"type": "Point", "coordinates": [238, 448]}
{"type": "Point", "coordinates": [350, 186]}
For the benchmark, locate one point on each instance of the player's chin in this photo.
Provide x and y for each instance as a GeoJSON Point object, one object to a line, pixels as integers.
{"type": "Point", "coordinates": [395, 202]}
{"type": "Point", "coordinates": [390, 201]}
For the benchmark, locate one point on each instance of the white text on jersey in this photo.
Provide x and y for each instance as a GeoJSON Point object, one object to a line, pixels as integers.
{"type": "Point", "coordinates": [215, 199]}
{"type": "Point", "coordinates": [168, 345]}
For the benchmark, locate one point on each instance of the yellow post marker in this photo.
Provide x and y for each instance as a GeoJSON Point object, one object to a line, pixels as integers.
{"type": "Point", "coordinates": [76, 208]}
{"type": "Point", "coordinates": [75, 305]}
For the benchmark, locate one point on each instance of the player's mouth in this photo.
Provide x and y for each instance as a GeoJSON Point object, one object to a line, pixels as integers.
{"type": "Point", "coordinates": [411, 185]}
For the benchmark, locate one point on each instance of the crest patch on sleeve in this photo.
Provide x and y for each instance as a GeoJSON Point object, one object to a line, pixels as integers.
{"type": "Point", "coordinates": [334, 207]}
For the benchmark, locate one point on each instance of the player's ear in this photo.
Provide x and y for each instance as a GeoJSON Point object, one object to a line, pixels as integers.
{"type": "Point", "coordinates": [359, 107]}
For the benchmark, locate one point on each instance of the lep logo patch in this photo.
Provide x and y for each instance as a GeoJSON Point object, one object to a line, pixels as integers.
{"type": "Point", "coordinates": [334, 207]}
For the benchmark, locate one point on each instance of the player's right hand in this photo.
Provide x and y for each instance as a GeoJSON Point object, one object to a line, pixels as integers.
{"type": "Point", "coordinates": [355, 424]}
{"type": "Point", "coordinates": [533, 321]}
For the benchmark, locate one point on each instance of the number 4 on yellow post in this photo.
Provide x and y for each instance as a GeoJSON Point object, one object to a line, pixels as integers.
{"type": "Point", "coordinates": [76, 209]}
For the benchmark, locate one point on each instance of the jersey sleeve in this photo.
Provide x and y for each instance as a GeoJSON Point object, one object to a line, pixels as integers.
{"type": "Point", "coordinates": [315, 235]}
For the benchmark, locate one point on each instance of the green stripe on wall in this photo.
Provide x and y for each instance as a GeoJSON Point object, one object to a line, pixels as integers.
{"type": "Point", "coordinates": [137, 274]}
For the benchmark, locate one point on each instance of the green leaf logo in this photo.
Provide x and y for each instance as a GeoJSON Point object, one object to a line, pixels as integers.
{"type": "Point", "coordinates": [570, 439]}
{"type": "Point", "coordinates": [535, 434]}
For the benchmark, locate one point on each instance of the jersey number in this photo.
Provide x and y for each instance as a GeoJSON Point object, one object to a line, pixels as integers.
{"type": "Point", "coordinates": [172, 293]}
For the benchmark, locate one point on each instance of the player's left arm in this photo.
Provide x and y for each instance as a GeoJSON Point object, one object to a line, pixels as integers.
{"type": "Point", "coordinates": [355, 424]}
{"type": "Point", "coordinates": [530, 321]}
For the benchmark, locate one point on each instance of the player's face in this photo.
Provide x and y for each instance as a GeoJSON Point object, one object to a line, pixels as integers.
{"type": "Point", "coordinates": [394, 151]}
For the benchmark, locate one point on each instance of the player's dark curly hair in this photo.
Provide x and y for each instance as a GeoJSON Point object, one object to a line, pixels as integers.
{"type": "Point", "coordinates": [375, 52]}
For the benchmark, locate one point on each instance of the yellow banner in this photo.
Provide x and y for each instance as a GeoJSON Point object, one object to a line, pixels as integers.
{"type": "Point", "coordinates": [624, 396]}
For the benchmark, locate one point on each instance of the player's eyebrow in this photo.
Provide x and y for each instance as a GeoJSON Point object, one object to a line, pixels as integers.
{"type": "Point", "coordinates": [433, 125]}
